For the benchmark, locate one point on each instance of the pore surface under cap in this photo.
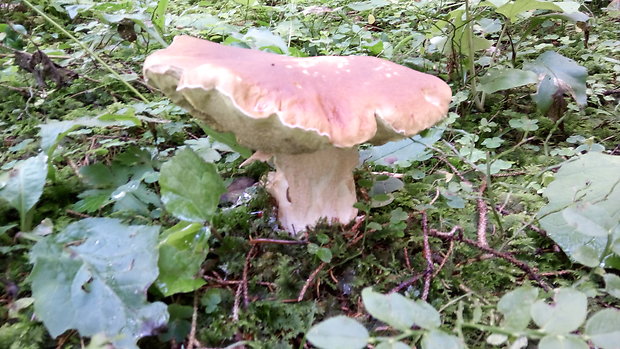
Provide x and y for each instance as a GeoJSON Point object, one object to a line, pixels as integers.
{"type": "Point", "coordinates": [287, 104]}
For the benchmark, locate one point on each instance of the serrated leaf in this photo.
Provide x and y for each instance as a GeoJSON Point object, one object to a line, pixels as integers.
{"type": "Point", "coordinates": [558, 74]}
{"type": "Point", "coordinates": [339, 332]}
{"type": "Point", "coordinates": [93, 277]}
{"type": "Point", "coordinates": [562, 342]}
{"type": "Point", "coordinates": [23, 184]}
{"type": "Point", "coordinates": [565, 315]}
{"type": "Point", "coordinates": [588, 180]}
{"type": "Point", "coordinates": [604, 328]}
{"type": "Point", "coordinates": [504, 79]}
{"type": "Point", "coordinates": [400, 312]}
{"type": "Point", "coordinates": [515, 306]}
{"type": "Point", "coordinates": [435, 339]}
{"type": "Point", "coordinates": [190, 187]}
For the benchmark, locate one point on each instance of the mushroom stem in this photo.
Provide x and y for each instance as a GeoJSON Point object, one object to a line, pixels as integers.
{"type": "Point", "coordinates": [312, 186]}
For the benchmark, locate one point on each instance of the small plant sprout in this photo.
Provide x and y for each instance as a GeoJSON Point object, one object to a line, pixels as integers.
{"type": "Point", "coordinates": [309, 114]}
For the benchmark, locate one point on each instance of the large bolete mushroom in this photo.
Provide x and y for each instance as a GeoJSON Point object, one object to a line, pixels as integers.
{"type": "Point", "coordinates": [308, 113]}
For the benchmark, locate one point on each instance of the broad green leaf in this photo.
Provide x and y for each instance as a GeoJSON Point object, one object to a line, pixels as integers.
{"type": "Point", "coordinates": [504, 79]}
{"type": "Point", "coordinates": [392, 345]}
{"type": "Point", "coordinates": [435, 339]}
{"type": "Point", "coordinates": [404, 152]}
{"type": "Point", "coordinates": [565, 315]}
{"type": "Point", "coordinates": [339, 332]}
{"type": "Point", "coordinates": [612, 284]}
{"type": "Point", "coordinates": [558, 74]}
{"type": "Point", "coordinates": [604, 328]}
{"type": "Point", "coordinates": [93, 277]}
{"type": "Point", "coordinates": [182, 250]}
{"type": "Point", "coordinates": [514, 10]}
{"type": "Point", "coordinates": [227, 138]}
{"type": "Point", "coordinates": [590, 181]}
{"type": "Point", "coordinates": [53, 131]}
{"type": "Point", "coordinates": [324, 254]}
{"type": "Point", "coordinates": [400, 312]}
{"type": "Point", "coordinates": [190, 187]}
{"type": "Point", "coordinates": [159, 15]}
{"type": "Point", "coordinates": [562, 342]}
{"type": "Point", "coordinates": [22, 186]}
{"type": "Point", "coordinates": [515, 306]}
{"type": "Point", "coordinates": [588, 219]}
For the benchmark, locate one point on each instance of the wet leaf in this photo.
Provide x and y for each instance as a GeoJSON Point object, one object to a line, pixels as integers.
{"type": "Point", "coordinates": [22, 186]}
{"type": "Point", "coordinates": [93, 277]}
{"type": "Point", "coordinates": [504, 79]}
{"type": "Point", "coordinates": [604, 328]}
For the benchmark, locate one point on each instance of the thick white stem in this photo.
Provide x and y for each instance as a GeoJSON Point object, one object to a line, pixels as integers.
{"type": "Point", "coordinates": [312, 186]}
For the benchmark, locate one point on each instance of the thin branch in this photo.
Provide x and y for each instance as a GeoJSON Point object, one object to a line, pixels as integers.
{"type": "Point", "coordinates": [482, 216]}
{"type": "Point", "coordinates": [309, 281]}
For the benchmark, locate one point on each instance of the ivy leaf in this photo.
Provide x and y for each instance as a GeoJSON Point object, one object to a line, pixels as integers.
{"type": "Point", "coordinates": [93, 277]}
{"type": "Point", "coordinates": [604, 328]}
{"type": "Point", "coordinates": [566, 314]}
{"type": "Point", "coordinates": [557, 75]}
{"type": "Point", "coordinates": [504, 79]}
{"type": "Point", "coordinates": [22, 186]}
{"type": "Point", "coordinates": [588, 186]}
{"type": "Point", "coordinates": [190, 186]}
{"type": "Point", "coordinates": [400, 312]}
{"type": "Point", "coordinates": [339, 332]}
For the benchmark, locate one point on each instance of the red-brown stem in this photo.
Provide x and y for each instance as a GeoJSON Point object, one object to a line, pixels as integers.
{"type": "Point", "coordinates": [309, 281]}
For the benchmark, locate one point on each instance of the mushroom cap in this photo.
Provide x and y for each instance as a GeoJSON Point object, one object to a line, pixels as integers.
{"type": "Point", "coordinates": [283, 104]}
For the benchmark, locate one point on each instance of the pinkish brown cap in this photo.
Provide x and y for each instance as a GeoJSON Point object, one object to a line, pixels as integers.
{"type": "Point", "coordinates": [288, 104]}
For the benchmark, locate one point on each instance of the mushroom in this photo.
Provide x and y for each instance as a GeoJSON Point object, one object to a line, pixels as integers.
{"type": "Point", "coordinates": [308, 113]}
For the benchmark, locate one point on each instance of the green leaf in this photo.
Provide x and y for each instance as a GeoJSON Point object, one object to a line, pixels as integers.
{"type": "Point", "coordinates": [524, 124]}
{"type": "Point", "coordinates": [604, 328]}
{"type": "Point", "coordinates": [93, 277]}
{"type": "Point", "coordinates": [612, 284]}
{"type": "Point", "coordinates": [564, 316]}
{"type": "Point", "coordinates": [22, 186]}
{"type": "Point", "coordinates": [513, 10]}
{"type": "Point", "coordinates": [190, 187]}
{"type": "Point", "coordinates": [227, 138]}
{"type": "Point", "coordinates": [515, 306]}
{"type": "Point", "coordinates": [390, 344]}
{"type": "Point", "coordinates": [492, 143]}
{"type": "Point", "coordinates": [159, 15]}
{"type": "Point", "coordinates": [504, 79]}
{"type": "Point", "coordinates": [182, 250]}
{"type": "Point", "coordinates": [557, 75]}
{"type": "Point", "coordinates": [53, 131]}
{"type": "Point", "coordinates": [588, 219]}
{"type": "Point", "coordinates": [589, 184]}
{"type": "Point", "coordinates": [211, 299]}
{"type": "Point", "coordinates": [367, 5]}
{"type": "Point", "coordinates": [339, 332]}
{"type": "Point", "coordinates": [435, 339]}
{"type": "Point", "coordinates": [562, 342]}
{"type": "Point", "coordinates": [400, 312]}
{"type": "Point", "coordinates": [324, 254]}
{"type": "Point", "coordinates": [404, 152]}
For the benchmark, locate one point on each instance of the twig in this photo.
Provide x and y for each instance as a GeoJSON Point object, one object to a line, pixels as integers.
{"type": "Point", "coordinates": [428, 273]}
{"type": "Point", "coordinates": [244, 280]}
{"type": "Point", "coordinates": [407, 261]}
{"type": "Point", "coordinates": [279, 242]}
{"type": "Point", "coordinates": [309, 281]}
{"type": "Point", "coordinates": [235, 312]}
{"type": "Point", "coordinates": [521, 265]}
{"type": "Point", "coordinates": [482, 216]}
{"type": "Point", "coordinates": [406, 283]}
{"type": "Point", "coordinates": [445, 258]}
{"type": "Point", "coordinates": [192, 333]}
